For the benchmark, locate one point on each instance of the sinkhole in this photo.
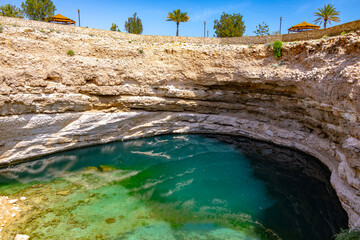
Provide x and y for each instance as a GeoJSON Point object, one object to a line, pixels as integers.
{"type": "Point", "coordinates": [175, 187]}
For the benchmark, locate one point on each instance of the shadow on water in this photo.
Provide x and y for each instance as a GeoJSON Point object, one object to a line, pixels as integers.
{"type": "Point", "coordinates": [307, 206]}
{"type": "Point", "coordinates": [181, 187]}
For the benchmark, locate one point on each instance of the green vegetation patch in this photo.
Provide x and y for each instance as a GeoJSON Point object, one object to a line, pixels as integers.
{"type": "Point", "coordinates": [347, 234]}
{"type": "Point", "coordinates": [277, 49]}
{"type": "Point", "coordinates": [70, 53]}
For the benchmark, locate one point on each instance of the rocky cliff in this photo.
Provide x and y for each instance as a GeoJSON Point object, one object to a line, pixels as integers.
{"type": "Point", "coordinates": [119, 87]}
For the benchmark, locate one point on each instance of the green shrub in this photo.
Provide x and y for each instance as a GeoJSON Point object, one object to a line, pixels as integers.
{"type": "Point", "coordinates": [325, 37]}
{"type": "Point", "coordinates": [343, 33]}
{"type": "Point", "coordinates": [347, 234]}
{"type": "Point", "coordinates": [1, 29]}
{"type": "Point", "coordinates": [70, 53]}
{"type": "Point", "coordinates": [277, 49]}
{"type": "Point", "coordinates": [141, 51]}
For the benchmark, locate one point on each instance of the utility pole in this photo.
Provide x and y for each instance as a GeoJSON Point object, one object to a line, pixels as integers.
{"type": "Point", "coordinates": [280, 24]}
{"type": "Point", "coordinates": [79, 17]}
{"type": "Point", "coordinates": [204, 29]}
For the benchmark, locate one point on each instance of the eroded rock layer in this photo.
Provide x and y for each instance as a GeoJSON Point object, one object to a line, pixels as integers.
{"type": "Point", "coordinates": [119, 88]}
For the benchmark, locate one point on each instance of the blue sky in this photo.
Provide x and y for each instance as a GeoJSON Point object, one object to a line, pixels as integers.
{"type": "Point", "coordinates": [100, 14]}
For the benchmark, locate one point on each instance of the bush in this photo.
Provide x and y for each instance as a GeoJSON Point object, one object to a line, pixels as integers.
{"type": "Point", "coordinates": [343, 33]}
{"type": "Point", "coordinates": [347, 234]}
{"type": "Point", "coordinates": [277, 46]}
{"type": "Point", "coordinates": [70, 53]}
{"type": "Point", "coordinates": [1, 29]}
{"type": "Point", "coordinates": [325, 37]}
{"type": "Point", "coordinates": [141, 51]}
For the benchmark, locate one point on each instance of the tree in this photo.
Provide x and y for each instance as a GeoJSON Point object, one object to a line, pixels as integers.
{"type": "Point", "coordinates": [9, 10]}
{"type": "Point", "coordinates": [229, 25]}
{"type": "Point", "coordinates": [328, 14]}
{"type": "Point", "coordinates": [114, 28]}
{"type": "Point", "coordinates": [262, 29]}
{"type": "Point", "coordinates": [134, 25]}
{"type": "Point", "coordinates": [178, 17]}
{"type": "Point", "coordinates": [39, 10]}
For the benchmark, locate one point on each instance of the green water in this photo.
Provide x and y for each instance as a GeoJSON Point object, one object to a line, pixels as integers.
{"type": "Point", "coordinates": [175, 187]}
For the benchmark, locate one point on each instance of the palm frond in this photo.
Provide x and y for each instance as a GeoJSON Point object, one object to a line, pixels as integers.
{"type": "Point", "coordinates": [325, 15]}
{"type": "Point", "coordinates": [177, 16]}
{"type": "Point", "coordinates": [9, 10]}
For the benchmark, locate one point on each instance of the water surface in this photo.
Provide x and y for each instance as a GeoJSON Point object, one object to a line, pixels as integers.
{"type": "Point", "coordinates": [175, 187]}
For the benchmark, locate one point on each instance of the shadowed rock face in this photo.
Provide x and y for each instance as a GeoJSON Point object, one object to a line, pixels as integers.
{"type": "Point", "coordinates": [109, 91]}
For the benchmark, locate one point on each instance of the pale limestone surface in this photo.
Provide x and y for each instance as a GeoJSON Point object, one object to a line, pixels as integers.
{"type": "Point", "coordinates": [21, 237]}
{"type": "Point", "coordinates": [9, 210]}
{"type": "Point", "coordinates": [109, 91]}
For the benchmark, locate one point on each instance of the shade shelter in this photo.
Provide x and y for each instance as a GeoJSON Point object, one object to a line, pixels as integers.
{"type": "Point", "coordinates": [304, 26]}
{"type": "Point", "coordinates": [61, 20]}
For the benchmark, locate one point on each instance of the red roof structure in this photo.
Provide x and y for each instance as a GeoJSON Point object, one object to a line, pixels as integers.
{"type": "Point", "coordinates": [61, 20]}
{"type": "Point", "coordinates": [304, 26]}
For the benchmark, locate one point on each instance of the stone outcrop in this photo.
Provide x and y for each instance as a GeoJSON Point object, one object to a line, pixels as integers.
{"type": "Point", "coordinates": [117, 88]}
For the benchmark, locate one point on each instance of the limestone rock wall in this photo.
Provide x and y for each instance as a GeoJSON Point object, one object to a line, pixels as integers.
{"type": "Point", "coordinates": [117, 89]}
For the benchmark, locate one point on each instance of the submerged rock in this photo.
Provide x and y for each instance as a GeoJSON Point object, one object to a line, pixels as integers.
{"type": "Point", "coordinates": [63, 193]}
{"type": "Point", "coordinates": [106, 168]}
{"type": "Point", "coordinates": [91, 168]}
{"type": "Point", "coordinates": [110, 220]}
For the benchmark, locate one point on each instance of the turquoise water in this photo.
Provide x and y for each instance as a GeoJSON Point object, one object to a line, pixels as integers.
{"type": "Point", "coordinates": [175, 187]}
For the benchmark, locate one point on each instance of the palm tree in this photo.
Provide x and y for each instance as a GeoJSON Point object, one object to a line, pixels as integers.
{"type": "Point", "coordinates": [177, 16]}
{"type": "Point", "coordinates": [9, 10]}
{"type": "Point", "coordinates": [327, 14]}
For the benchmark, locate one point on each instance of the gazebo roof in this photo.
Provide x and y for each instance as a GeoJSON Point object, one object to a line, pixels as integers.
{"type": "Point", "coordinates": [61, 18]}
{"type": "Point", "coordinates": [304, 26]}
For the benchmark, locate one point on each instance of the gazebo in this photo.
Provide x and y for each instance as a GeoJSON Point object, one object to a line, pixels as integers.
{"type": "Point", "coordinates": [61, 20]}
{"type": "Point", "coordinates": [304, 26]}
